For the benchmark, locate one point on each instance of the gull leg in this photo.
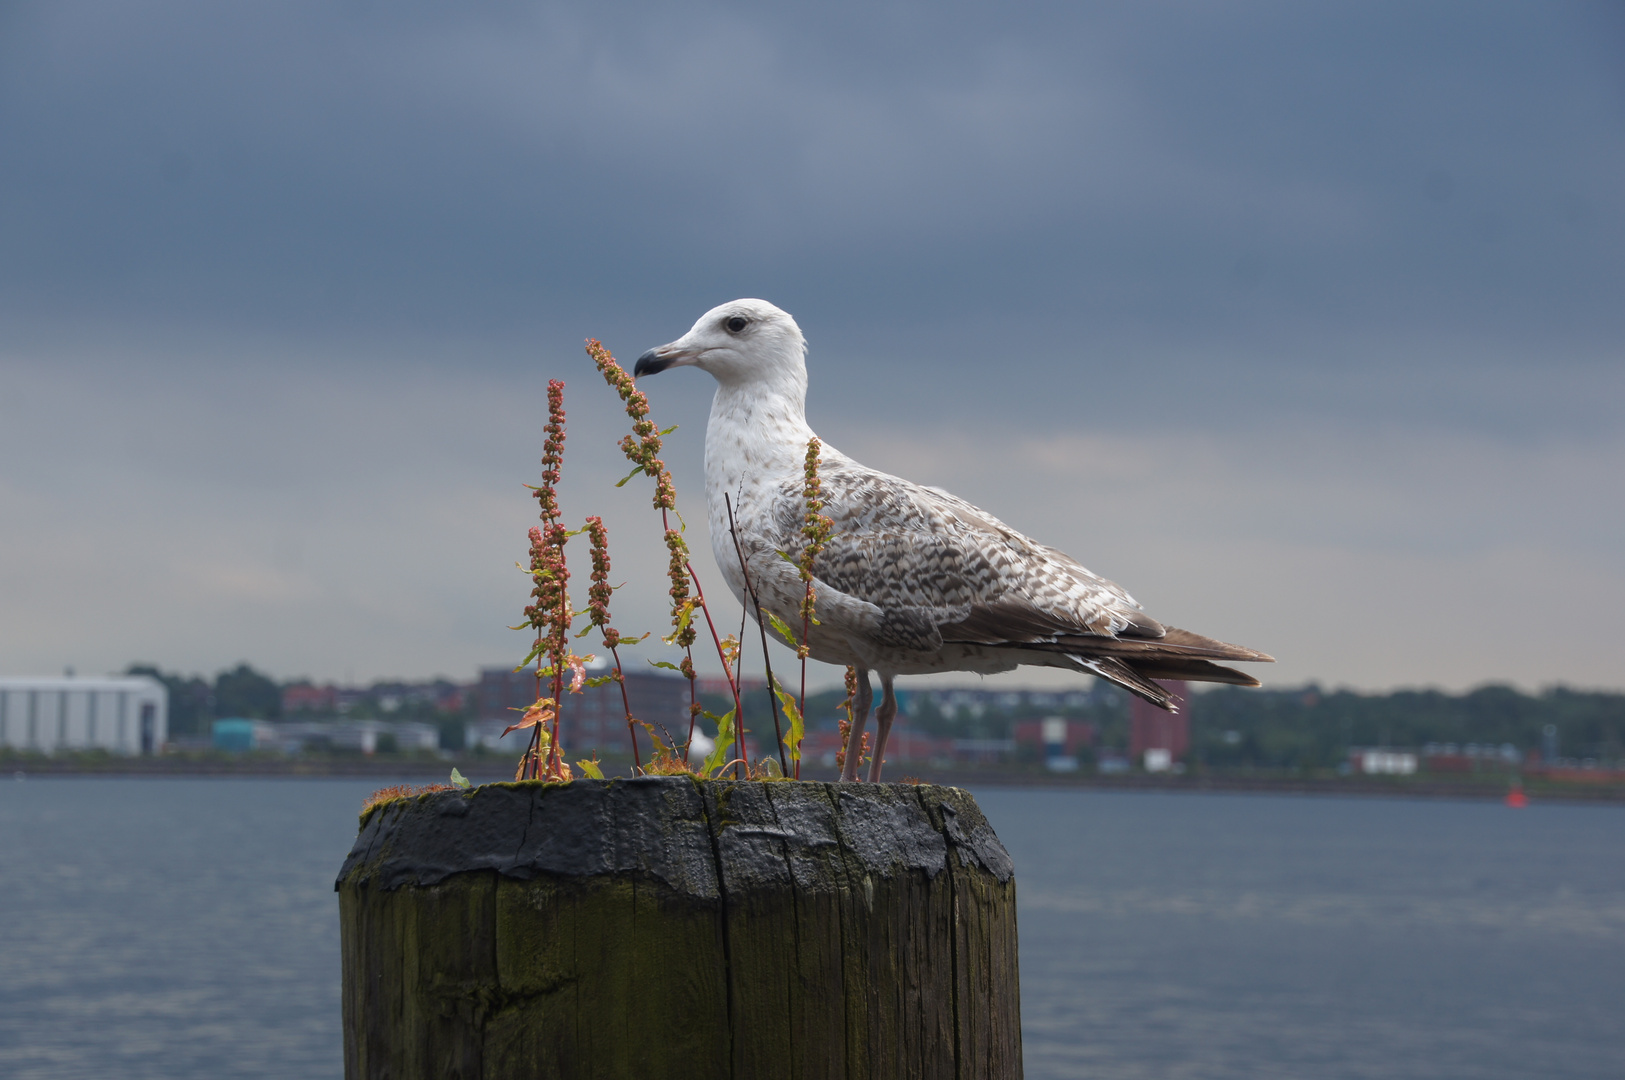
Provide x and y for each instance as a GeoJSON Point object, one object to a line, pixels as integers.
{"type": "Point", "coordinates": [883, 718]}
{"type": "Point", "coordinates": [860, 716]}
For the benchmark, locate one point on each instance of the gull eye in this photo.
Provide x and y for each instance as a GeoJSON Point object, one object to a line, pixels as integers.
{"type": "Point", "coordinates": [737, 323]}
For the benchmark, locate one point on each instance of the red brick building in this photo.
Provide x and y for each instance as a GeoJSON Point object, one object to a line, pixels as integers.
{"type": "Point", "coordinates": [1035, 734]}
{"type": "Point", "coordinates": [1150, 728]}
{"type": "Point", "coordinates": [594, 718]}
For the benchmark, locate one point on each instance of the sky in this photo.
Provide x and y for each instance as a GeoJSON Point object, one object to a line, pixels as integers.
{"type": "Point", "coordinates": [1302, 322]}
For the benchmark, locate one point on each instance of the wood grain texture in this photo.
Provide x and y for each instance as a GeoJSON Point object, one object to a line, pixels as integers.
{"type": "Point", "coordinates": [663, 927]}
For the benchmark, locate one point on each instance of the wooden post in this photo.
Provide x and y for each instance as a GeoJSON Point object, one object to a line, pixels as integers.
{"type": "Point", "coordinates": [666, 927]}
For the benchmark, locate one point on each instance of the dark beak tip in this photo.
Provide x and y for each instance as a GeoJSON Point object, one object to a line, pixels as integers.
{"type": "Point", "coordinates": [650, 363]}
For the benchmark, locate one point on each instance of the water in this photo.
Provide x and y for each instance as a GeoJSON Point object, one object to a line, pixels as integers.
{"type": "Point", "coordinates": [188, 928]}
{"type": "Point", "coordinates": [1267, 936]}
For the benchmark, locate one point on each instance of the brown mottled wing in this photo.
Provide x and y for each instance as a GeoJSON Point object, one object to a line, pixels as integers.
{"type": "Point", "coordinates": [942, 569]}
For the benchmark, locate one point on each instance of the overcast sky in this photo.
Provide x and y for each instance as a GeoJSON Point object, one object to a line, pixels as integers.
{"type": "Point", "coordinates": [1306, 323]}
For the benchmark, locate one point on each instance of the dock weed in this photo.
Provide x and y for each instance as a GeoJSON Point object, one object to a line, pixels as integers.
{"type": "Point", "coordinates": [550, 618]}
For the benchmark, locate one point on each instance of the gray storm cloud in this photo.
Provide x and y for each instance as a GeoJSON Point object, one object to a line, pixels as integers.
{"type": "Point", "coordinates": [295, 274]}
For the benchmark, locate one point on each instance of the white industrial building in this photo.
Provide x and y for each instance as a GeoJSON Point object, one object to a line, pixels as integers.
{"type": "Point", "coordinates": [122, 715]}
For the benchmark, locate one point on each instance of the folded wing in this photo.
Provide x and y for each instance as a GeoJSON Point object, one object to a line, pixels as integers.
{"type": "Point", "coordinates": [945, 572]}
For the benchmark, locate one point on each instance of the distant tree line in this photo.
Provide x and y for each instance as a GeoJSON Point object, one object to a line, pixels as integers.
{"type": "Point", "coordinates": [1231, 727]}
{"type": "Point", "coordinates": [1308, 727]}
{"type": "Point", "coordinates": [195, 702]}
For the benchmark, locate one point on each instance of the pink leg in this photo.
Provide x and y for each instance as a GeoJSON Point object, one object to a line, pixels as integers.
{"type": "Point", "coordinates": [883, 718]}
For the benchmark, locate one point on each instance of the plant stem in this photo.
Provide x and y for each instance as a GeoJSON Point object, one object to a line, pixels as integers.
{"type": "Point", "coordinates": [533, 755]}
{"type": "Point", "coordinates": [631, 726]}
{"type": "Point", "coordinates": [761, 625]}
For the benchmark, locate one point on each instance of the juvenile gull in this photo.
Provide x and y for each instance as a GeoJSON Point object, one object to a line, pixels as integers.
{"type": "Point", "coordinates": [914, 580]}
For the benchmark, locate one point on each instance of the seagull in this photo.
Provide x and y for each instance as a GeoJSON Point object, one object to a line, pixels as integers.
{"type": "Point", "coordinates": [913, 580]}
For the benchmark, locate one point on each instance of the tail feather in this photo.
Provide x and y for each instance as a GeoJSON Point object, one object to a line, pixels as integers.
{"type": "Point", "coordinates": [1115, 671]}
{"type": "Point", "coordinates": [1192, 671]}
{"type": "Point", "coordinates": [1175, 643]}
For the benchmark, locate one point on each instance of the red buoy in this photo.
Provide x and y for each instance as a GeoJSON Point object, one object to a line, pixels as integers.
{"type": "Point", "coordinates": [1517, 799]}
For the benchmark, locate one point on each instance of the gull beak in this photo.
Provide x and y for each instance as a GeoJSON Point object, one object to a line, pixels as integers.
{"type": "Point", "coordinates": [657, 360]}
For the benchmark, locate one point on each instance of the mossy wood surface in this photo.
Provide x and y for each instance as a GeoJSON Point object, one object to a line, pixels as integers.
{"type": "Point", "coordinates": [662, 927]}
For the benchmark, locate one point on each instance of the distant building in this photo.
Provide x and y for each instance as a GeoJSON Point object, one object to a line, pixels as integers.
{"type": "Point", "coordinates": [297, 736]}
{"type": "Point", "coordinates": [1448, 757]}
{"type": "Point", "coordinates": [1157, 738]}
{"type": "Point", "coordinates": [1057, 740]}
{"type": "Point", "coordinates": [122, 715]}
{"type": "Point", "coordinates": [438, 695]}
{"type": "Point", "coordinates": [977, 703]}
{"type": "Point", "coordinates": [1381, 761]}
{"type": "Point", "coordinates": [307, 698]}
{"type": "Point", "coordinates": [370, 736]}
{"type": "Point", "coordinates": [903, 744]}
{"type": "Point", "coordinates": [237, 735]}
{"type": "Point", "coordinates": [593, 719]}
{"type": "Point", "coordinates": [718, 685]}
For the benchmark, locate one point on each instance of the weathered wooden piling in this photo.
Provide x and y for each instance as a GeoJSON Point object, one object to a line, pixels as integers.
{"type": "Point", "coordinates": [664, 927]}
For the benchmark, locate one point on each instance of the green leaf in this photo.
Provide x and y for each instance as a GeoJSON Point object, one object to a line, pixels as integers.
{"type": "Point", "coordinates": [725, 741]}
{"type": "Point", "coordinates": [535, 651]}
{"type": "Point", "coordinates": [459, 780]}
{"type": "Point", "coordinates": [667, 665]}
{"type": "Point", "coordinates": [798, 726]}
{"type": "Point", "coordinates": [591, 769]}
{"type": "Point", "coordinates": [654, 736]}
{"type": "Point", "coordinates": [599, 680]}
{"type": "Point", "coordinates": [667, 431]}
{"type": "Point", "coordinates": [785, 555]}
{"type": "Point", "coordinates": [623, 480]}
{"type": "Point", "coordinates": [781, 629]}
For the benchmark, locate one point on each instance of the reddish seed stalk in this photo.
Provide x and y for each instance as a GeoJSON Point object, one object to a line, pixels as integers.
{"type": "Point", "coordinates": [816, 529]}
{"type": "Point", "coordinates": [733, 683]}
{"type": "Point", "coordinates": [846, 725]}
{"type": "Point", "coordinates": [643, 451]}
{"type": "Point", "coordinates": [681, 573]}
{"type": "Point", "coordinates": [550, 614]}
{"type": "Point", "coordinates": [598, 595]}
{"type": "Point", "coordinates": [556, 534]}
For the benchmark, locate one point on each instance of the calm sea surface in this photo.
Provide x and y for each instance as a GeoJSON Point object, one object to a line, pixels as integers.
{"type": "Point", "coordinates": [188, 929]}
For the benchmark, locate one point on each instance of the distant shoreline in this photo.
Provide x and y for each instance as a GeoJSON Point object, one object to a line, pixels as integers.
{"type": "Point", "coordinates": [486, 770]}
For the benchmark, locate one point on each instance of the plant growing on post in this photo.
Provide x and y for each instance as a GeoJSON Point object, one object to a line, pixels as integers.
{"type": "Point", "coordinates": [598, 594]}
{"type": "Point", "coordinates": [550, 613]}
{"type": "Point", "coordinates": [846, 725]}
{"type": "Point", "coordinates": [644, 452]}
{"type": "Point", "coordinates": [815, 529]}
{"type": "Point", "coordinates": [552, 616]}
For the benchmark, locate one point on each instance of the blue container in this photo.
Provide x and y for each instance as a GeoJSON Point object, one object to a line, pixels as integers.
{"type": "Point", "coordinates": [236, 735]}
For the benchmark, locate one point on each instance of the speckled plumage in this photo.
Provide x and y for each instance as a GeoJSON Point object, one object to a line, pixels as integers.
{"type": "Point", "coordinates": [913, 579]}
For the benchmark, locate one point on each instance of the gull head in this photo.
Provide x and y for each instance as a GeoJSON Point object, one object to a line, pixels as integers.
{"type": "Point", "coordinates": [740, 342]}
